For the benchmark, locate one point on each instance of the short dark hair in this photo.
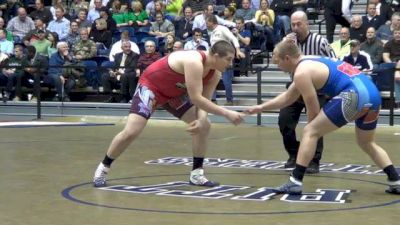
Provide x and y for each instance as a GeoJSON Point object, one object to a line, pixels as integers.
{"type": "Point", "coordinates": [222, 48]}
{"type": "Point", "coordinates": [212, 19]}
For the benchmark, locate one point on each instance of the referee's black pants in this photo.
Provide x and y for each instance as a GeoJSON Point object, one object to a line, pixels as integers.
{"type": "Point", "coordinates": [288, 120]}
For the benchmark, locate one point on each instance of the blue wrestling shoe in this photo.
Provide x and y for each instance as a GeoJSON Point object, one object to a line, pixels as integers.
{"type": "Point", "coordinates": [293, 187]}
{"type": "Point", "coordinates": [99, 179]}
{"type": "Point", "coordinates": [394, 187]}
{"type": "Point", "coordinates": [197, 178]}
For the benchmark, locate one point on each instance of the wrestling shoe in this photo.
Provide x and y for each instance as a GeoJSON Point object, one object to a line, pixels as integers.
{"type": "Point", "coordinates": [293, 187]}
{"type": "Point", "coordinates": [99, 179]}
{"type": "Point", "coordinates": [394, 187]}
{"type": "Point", "coordinates": [290, 163]}
{"type": "Point", "coordinates": [312, 168]}
{"type": "Point", "coordinates": [197, 178]}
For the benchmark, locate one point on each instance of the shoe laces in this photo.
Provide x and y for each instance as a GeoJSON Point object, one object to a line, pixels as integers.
{"type": "Point", "coordinates": [197, 177]}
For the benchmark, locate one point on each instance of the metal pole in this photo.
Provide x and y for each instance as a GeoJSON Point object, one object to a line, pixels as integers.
{"type": "Point", "coordinates": [392, 100]}
{"type": "Point", "coordinates": [259, 101]}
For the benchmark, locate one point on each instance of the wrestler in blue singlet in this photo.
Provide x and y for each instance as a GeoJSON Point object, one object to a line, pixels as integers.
{"type": "Point", "coordinates": [354, 96]}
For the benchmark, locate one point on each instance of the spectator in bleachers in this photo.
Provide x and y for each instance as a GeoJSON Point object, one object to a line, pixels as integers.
{"type": "Point", "coordinates": [174, 8]}
{"type": "Point", "coordinates": [229, 11]}
{"type": "Point", "coordinates": [184, 26]}
{"type": "Point", "coordinates": [283, 10]}
{"type": "Point", "coordinates": [359, 59]}
{"type": "Point", "coordinates": [150, 6]}
{"type": "Point", "coordinates": [41, 12]}
{"type": "Point", "coordinates": [116, 47]}
{"type": "Point", "coordinates": [197, 5]}
{"type": "Point", "coordinates": [372, 19]}
{"type": "Point", "coordinates": [391, 54]}
{"type": "Point", "coordinates": [168, 46]}
{"type": "Point", "coordinates": [61, 82]}
{"type": "Point", "coordinates": [94, 13]}
{"type": "Point", "coordinates": [159, 7]}
{"type": "Point", "coordinates": [120, 14]}
{"type": "Point", "coordinates": [32, 35]}
{"type": "Point", "coordinates": [161, 27]}
{"type": "Point", "coordinates": [58, 4]}
{"type": "Point", "coordinates": [244, 38]}
{"type": "Point", "coordinates": [20, 25]}
{"type": "Point", "coordinates": [383, 10]}
{"type": "Point", "coordinates": [357, 29]}
{"type": "Point", "coordinates": [14, 75]}
{"type": "Point", "coordinates": [38, 71]}
{"type": "Point", "coordinates": [218, 33]}
{"type": "Point", "coordinates": [178, 46]}
{"type": "Point", "coordinates": [53, 38]}
{"type": "Point", "coordinates": [92, 3]}
{"type": "Point", "coordinates": [264, 20]}
{"type": "Point", "coordinates": [138, 18]}
{"type": "Point", "coordinates": [84, 51]}
{"type": "Point", "coordinates": [6, 46]}
{"type": "Point", "coordinates": [105, 14]}
{"type": "Point", "coordinates": [101, 36]}
{"type": "Point", "coordinates": [385, 32]}
{"type": "Point", "coordinates": [336, 12]}
{"type": "Point", "coordinates": [41, 44]}
{"type": "Point", "coordinates": [148, 57]}
{"type": "Point", "coordinates": [9, 34]}
{"type": "Point", "coordinates": [73, 34]}
{"type": "Point", "coordinates": [246, 11]}
{"type": "Point", "coordinates": [83, 21]}
{"type": "Point", "coordinates": [373, 46]}
{"type": "Point", "coordinates": [342, 46]}
{"type": "Point", "coordinates": [76, 6]}
{"type": "Point", "coordinates": [225, 3]}
{"type": "Point", "coordinates": [60, 25]}
{"type": "Point", "coordinates": [126, 77]}
{"type": "Point", "coordinates": [196, 41]}
{"type": "Point", "coordinates": [11, 10]}
{"type": "Point", "coordinates": [200, 20]}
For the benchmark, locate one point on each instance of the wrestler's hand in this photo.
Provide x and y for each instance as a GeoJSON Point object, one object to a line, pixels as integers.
{"type": "Point", "coordinates": [254, 109]}
{"type": "Point", "coordinates": [194, 127]}
{"type": "Point", "coordinates": [235, 117]}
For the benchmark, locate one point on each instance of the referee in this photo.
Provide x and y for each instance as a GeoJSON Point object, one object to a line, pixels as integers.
{"type": "Point", "coordinates": [309, 44]}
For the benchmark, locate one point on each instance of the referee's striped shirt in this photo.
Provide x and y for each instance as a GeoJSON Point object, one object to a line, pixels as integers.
{"type": "Point", "coordinates": [315, 44]}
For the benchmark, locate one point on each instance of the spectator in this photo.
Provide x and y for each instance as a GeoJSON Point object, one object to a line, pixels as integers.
{"type": "Point", "coordinates": [138, 18]}
{"type": "Point", "coordinates": [6, 46]}
{"type": "Point", "coordinates": [63, 83]}
{"type": "Point", "coordinates": [111, 24]}
{"type": "Point", "coordinates": [264, 20]}
{"type": "Point", "coordinates": [126, 77]}
{"type": "Point", "coordinates": [342, 46]}
{"type": "Point", "coordinates": [161, 28]}
{"type": "Point", "coordinates": [148, 57]}
{"type": "Point", "coordinates": [76, 6]}
{"type": "Point", "coordinates": [83, 21]}
{"type": "Point", "coordinates": [117, 48]}
{"type": "Point", "coordinates": [174, 8]}
{"type": "Point", "coordinates": [20, 25]}
{"type": "Point", "coordinates": [383, 10]}
{"type": "Point", "coordinates": [372, 19]}
{"type": "Point", "coordinates": [246, 11]}
{"type": "Point", "coordinates": [357, 29]}
{"type": "Point", "coordinates": [359, 59]}
{"type": "Point", "coordinates": [83, 51]}
{"type": "Point", "coordinates": [32, 35]}
{"type": "Point", "coordinates": [244, 38]}
{"type": "Point", "coordinates": [184, 25]}
{"type": "Point", "coordinates": [196, 41]}
{"type": "Point", "coordinates": [53, 38]}
{"type": "Point", "coordinates": [373, 46]}
{"type": "Point", "coordinates": [178, 46]}
{"type": "Point", "coordinates": [200, 20]}
{"type": "Point", "coordinates": [14, 75]}
{"type": "Point", "coordinates": [94, 13]}
{"type": "Point", "coordinates": [168, 46]}
{"type": "Point", "coordinates": [102, 37]}
{"type": "Point", "coordinates": [38, 71]}
{"type": "Point", "coordinates": [229, 11]}
{"type": "Point", "coordinates": [385, 32]}
{"type": "Point", "coordinates": [196, 5]}
{"type": "Point", "coordinates": [9, 34]}
{"type": "Point", "coordinates": [73, 34]}
{"type": "Point", "coordinates": [159, 7]}
{"type": "Point", "coordinates": [41, 44]}
{"type": "Point", "coordinates": [60, 25]}
{"type": "Point", "coordinates": [41, 12]}
{"type": "Point", "coordinates": [336, 11]}
{"type": "Point", "coordinates": [391, 54]}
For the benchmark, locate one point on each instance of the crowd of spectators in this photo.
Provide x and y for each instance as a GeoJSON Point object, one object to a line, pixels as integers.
{"type": "Point", "coordinates": [101, 36]}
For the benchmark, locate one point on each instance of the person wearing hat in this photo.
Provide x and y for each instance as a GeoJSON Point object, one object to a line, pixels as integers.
{"type": "Point", "coordinates": [41, 44]}
{"type": "Point", "coordinates": [359, 59]}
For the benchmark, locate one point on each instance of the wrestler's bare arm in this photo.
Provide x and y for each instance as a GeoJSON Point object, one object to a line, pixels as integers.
{"type": "Point", "coordinates": [304, 84]}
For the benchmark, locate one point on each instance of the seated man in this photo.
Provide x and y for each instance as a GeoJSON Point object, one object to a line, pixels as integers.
{"type": "Point", "coordinates": [61, 81]}
{"type": "Point", "coordinates": [126, 77]}
{"type": "Point", "coordinates": [353, 98]}
{"type": "Point", "coordinates": [196, 41]}
{"type": "Point", "coordinates": [359, 59]}
{"type": "Point", "coordinates": [148, 57]}
{"type": "Point", "coordinates": [391, 54]}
